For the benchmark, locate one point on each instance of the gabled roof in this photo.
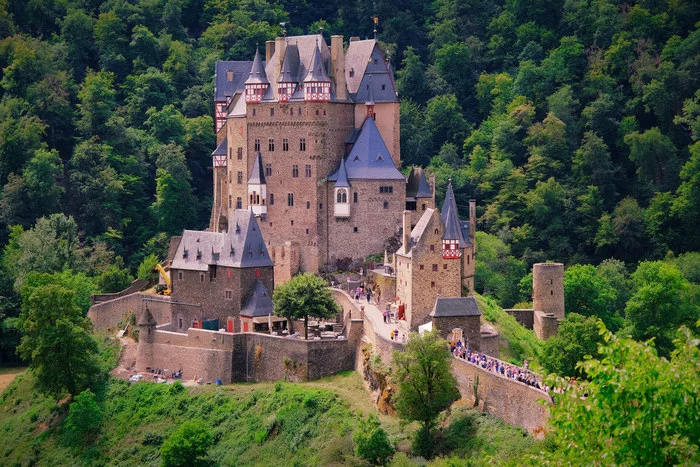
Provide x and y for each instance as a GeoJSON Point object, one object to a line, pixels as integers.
{"type": "Point", "coordinates": [356, 59]}
{"type": "Point", "coordinates": [369, 158]}
{"type": "Point", "coordinates": [450, 216]}
{"type": "Point", "coordinates": [359, 64]}
{"type": "Point", "coordinates": [221, 148]}
{"type": "Point", "coordinates": [259, 302]}
{"type": "Point", "coordinates": [223, 88]}
{"type": "Point", "coordinates": [317, 72]}
{"type": "Point", "coordinates": [257, 71]}
{"type": "Point", "coordinates": [242, 246]}
{"type": "Point", "coordinates": [342, 176]}
{"type": "Point", "coordinates": [257, 176]}
{"type": "Point", "coordinates": [455, 306]}
{"type": "Point", "coordinates": [418, 231]}
{"type": "Point", "coordinates": [417, 185]}
{"type": "Point", "coordinates": [239, 106]}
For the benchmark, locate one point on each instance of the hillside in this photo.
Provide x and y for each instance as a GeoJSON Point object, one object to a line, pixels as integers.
{"type": "Point", "coordinates": [252, 424]}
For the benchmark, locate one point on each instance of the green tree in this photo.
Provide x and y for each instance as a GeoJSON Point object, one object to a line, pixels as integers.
{"type": "Point", "coordinates": [41, 178]}
{"type": "Point", "coordinates": [444, 121]}
{"type": "Point", "coordinates": [589, 294]}
{"type": "Point", "coordinates": [654, 156]}
{"type": "Point", "coordinates": [77, 32]}
{"type": "Point", "coordinates": [635, 409]}
{"type": "Point", "coordinates": [84, 419]}
{"type": "Point", "coordinates": [20, 136]}
{"type": "Point", "coordinates": [660, 304]}
{"type": "Point", "coordinates": [303, 296]}
{"type": "Point", "coordinates": [410, 79]}
{"type": "Point", "coordinates": [175, 205]}
{"type": "Point", "coordinates": [114, 279]}
{"type": "Point", "coordinates": [426, 385]}
{"type": "Point", "coordinates": [97, 103]}
{"type": "Point", "coordinates": [371, 441]}
{"type": "Point", "coordinates": [187, 446]}
{"type": "Point", "coordinates": [57, 342]}
{"type": "Point", "coordinates": [497, 271]}
{"type": "Point", "coordinates": [577, 337]}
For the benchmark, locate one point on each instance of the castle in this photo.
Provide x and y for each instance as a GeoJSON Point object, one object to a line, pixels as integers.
{"type": "Point", "coordinates": [308, 140]}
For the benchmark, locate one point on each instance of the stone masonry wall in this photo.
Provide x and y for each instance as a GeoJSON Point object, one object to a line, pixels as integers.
{"type": "Point", "coordinates": [524, 316]}
{"type": "Point", "coordinates": [545, 325]}
{"type": "Point", "coordinates": [108, 315]}
{"type": "Point", "coordinates": [470, 326]}
{"type": "Point", "coordinates": [513, 402]}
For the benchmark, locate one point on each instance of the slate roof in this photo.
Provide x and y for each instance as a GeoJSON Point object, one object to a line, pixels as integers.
{"type": "Point", "coordinates": [360, 60]}
{"type": "Point", "coordinates": [241, 247]}
{"type": "Point", "coordinates": [257, 176]}
{"type": "Point", "coordinates": [369, 158]}
{"type": "Point", "coordinates": [342, 176]}
{"type": "Point", "coordinates": [417, 232]}
{"type": "Point", "coordinates": [257, 71]}
{"type": "Point", "coordinates": [450, 216]}
{"type": "Point", "coordinates": [417, 185]}
{"type": "Point", "coordinates": [221, 148]}
{"type": "Point", "coordinates": [225, 89]}
{"type": "Point", "coordinates": [259, 302]}
{"type": "Point", "coordinates": [456, 306]}
{"type": "Point", "coordinates": [317, 72]}
{"type": "Point", "coordinates": [299, 50]}
{"type": "Point", "coordinates": [290, 65]}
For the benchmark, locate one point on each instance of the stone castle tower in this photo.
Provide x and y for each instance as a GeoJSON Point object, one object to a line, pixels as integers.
{"type": "Point", "coordinates": [547, 298]}
{"type": "Point", "coordinates": [308, 139]}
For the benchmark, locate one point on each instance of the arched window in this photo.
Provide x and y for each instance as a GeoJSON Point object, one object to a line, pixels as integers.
{"type": "Point", "coordinates": [342, 196]}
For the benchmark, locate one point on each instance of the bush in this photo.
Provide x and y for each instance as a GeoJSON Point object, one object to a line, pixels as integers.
{"type": "Point", "coordinates": [84, 418]}
{"type": "Point", "coordinates": [114, 280]}
{"type": "Point", "coordinates": [371, 441]}
{"type": "Point", "coordinates": [146, 268]}
{"type": "Point", "coordinates": [188, 446]}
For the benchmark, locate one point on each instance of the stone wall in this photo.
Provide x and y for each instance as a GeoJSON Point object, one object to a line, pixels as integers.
{"type": "Point", "coordinates": [136, 286]}
{"type": "Point", "coordinates": [383, 286]}
{"type": "Point", "coordinates": [548, 288]}
{"type": "Point", "coordinates": [512, 401]}
{"type": "Point", "coordinates": [108, 315]}
{"type": "Point", "coordinates": [286, 259]}
{"type": "Point", "coordinates": [545, 325]}
{"type": "Point", "coordinates": [470, 326]}
{"type": "Point", "coordinates": [524, 316]}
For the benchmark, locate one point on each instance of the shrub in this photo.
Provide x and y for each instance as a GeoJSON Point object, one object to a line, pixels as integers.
{"type": "Point", "coordinates": [371, 441]}
{"type": "Point", "coordinates": [84, 418]}
{"type": "Point", "coordinates": [145, 271]}
{"type": "Point", "coordinates": [114, 280]}
{"type": "Point", "coordinates": [187, 446]}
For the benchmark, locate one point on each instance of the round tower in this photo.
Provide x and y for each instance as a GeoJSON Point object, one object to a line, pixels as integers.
{"type": "Point", "coordinates": [147, 330]}
{"type": "Point", "coordinates": [548, 288]}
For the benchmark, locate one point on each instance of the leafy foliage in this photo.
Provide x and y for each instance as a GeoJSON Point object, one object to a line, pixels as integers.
{"type": "Point", "coordinates": [578, 336]}
{"type": "Point", "coordinates": [371, 441]}
{"type": "Point", "coordinates": [187, 446]}
{"type": "Point", "coordinates": [85, 417]}
{"type": "Point", "coordinates": [303, 296]}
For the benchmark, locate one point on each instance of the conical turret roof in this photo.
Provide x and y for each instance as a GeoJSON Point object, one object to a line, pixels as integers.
{"type": "Point", "coordinates": [288, 73]}
{"type": "Point", "coordinates": [257, 71]}
{"type": "Point", "coordinates": [316, 71]}
{"type": "Point", "coordinates": [450, 217]}
{"type": "Point", "coordinates": [342, 181]}
{"type": "Point", "coordinates": [257, 175]}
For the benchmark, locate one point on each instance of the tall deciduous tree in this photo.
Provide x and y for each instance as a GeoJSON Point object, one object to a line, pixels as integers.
{"type": "Point", "coordinates": [576, 337]}
{"type": "Point", "coordinates": [426, 384]}
{"type": "Point", "coordinates": [303, 296]}
{"type": "Point", "coordinates": [589, 294]}
{"type": "Point", "coordinates": [57, 342]}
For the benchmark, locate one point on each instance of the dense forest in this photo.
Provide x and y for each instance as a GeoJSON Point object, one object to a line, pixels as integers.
{"type": "Point", "coordinates": [574, 123]}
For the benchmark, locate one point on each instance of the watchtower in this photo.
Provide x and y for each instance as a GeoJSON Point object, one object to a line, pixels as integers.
{"type": "Point", "coordinates": [548, 288]}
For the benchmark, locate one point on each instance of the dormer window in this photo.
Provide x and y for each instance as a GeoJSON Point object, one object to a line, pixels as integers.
{"type": "Point", "coordinates": [229, 76]}
{"type": "Point", "coordinates": [342, 196]}
{"type": "Point", "coordinates": [199, 254]}
{"type": "Point", "coordinates": [185, 253]}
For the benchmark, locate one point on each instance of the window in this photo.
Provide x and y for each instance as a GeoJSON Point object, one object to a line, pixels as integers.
{"type": "Point", "coordinates": [383, 87]}
{"type": "Point", "coordinates": [179, 322]}
{"type": "Point", "coordinates": [341, 196]}
{"type": "Point", "coordinates": [295, 171]}
{"type": "Point", "coordinates": [386, 204]}
{"type": "Point", "coordinates": [272, 112]}
{"type": "Point", "coordinates": [229, 78]}
{"type": "Point", "coordinates": [354, 229]}
{"type": "Point", "coordinates": [435, 267]}
{"type": "Point", "coordinates": [256, 144]}
{"type": "Point", "coordinates": [432, 247]}
{"type": "Point", "coordinates": [271, 144]}
{"type": "Point", "coordinates": [290, 199]}
{"type": "Point", "coordinates": [201, 277]}
{"type": "Point", "coordinates": [423, 206]}
{"type": "Point", "coordinates": [212, 273]}
{"type": "Point", "coordinates": [444, 266]}
{"type": "Point", "coordinates": [272, 199]}
{"type": "Point", "coordinates": [308, 205]}
{"type": "Point", "coordinates": [179, 275]}
{"type": "Point", "coordinates": [292, 222]}
{"type": "Point", "coordinates": [230, 202]}
{"type": "Point", "coordinates": [307, 231]}
{"type": "Point", "coordinates": [320, 205]}
{"type": "Point", "coordinates": [230, 153]}
{"type": "Point", "coordinates": [302, 144]}
{"type": "Point", "coordinates": [268, 170]}
{"type": "Point", "coordinates": [239, 177]}
{"type": "Point", "coordinates": [307, 170]}
{"type": "Point", "coordinates": [253, 112]}
{"type": "Point", "coordinates": [386, 189]}
{"type": "Point", "coordinates": [239, 203]}
{"type": "Point", "coordinates": [239, 154]}
{"type": "Point", "coordinates": [285, 144]}
{"type": "Point", "coordinates": [314, 90]}
{"type": "Point", "coordinates": [421, 267]}
{"type": "Point", "coordinates": [352, 72]}
{"type": "Point", "coordinates": [432, 284]}
{"type": "Point", "coordinates": [228, 294]}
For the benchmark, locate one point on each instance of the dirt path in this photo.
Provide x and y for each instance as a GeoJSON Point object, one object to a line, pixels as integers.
{"type": "Point", "coordinates": [7, 375]}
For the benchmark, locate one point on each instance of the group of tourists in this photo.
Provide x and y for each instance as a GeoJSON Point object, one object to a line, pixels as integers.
{"type": "Point", "coordinates": [522, 374]}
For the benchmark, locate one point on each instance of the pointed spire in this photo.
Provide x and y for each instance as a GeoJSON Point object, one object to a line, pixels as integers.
{"type": "Point", "coordinates": [450, 217]}
{"type": "Point", "coordinates": [316, 71]}
{"type": "Point", "coordinates": [286, 74]}
{"type": "Point", "coordinates": [342, 176]}
{"type": "Point", "coordinates": [257, 175]}
{"type": "Point", "coordinates": [257, 71]}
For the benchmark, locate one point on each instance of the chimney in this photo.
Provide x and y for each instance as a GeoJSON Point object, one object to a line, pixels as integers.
{"type": "Point", "coordinates": [354, 38]}
{"type": "Point", "coordinates": [406, 231]}
{"type": "Point", "coordinates": [338, 67]}
{"type": "Point", "coordinates": [472, 222]}
{"type": "Point", "coordinates": [269, 50]}
{"type": "Point", "coordinates": [280, 48]}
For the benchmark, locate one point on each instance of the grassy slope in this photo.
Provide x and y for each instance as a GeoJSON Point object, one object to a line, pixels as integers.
{"type": "Point", "coordinates": [517, 343]}
{"type": "Point", "coordinates": [253, 424]}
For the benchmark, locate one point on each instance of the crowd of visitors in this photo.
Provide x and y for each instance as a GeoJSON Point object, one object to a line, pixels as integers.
{"type": "Point", "coordinates": [522, 374]}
